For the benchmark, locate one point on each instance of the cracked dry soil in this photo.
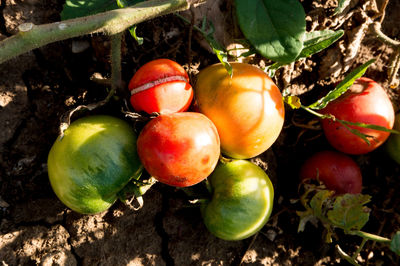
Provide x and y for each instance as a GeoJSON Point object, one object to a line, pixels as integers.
{"type": "Point", "coordinates": [37, 88]}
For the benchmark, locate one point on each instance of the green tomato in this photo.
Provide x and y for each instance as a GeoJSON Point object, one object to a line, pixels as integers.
{"type": "Point", "coordinates": [393, 143]}
{"type": "Point", "coordinates": [92, 162]}
{"type": "Point", "coordinates": [242, 200]}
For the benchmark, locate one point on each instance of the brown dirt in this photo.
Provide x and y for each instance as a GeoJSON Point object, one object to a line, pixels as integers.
{"type": "Point", "coordinates": [37, 88]}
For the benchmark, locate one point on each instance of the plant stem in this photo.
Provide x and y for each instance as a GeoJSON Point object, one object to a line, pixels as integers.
{"type": "Point", "coordinates": [116, 40]}
{"type": "Point", "coordinates": [359, 248]}
{"type": "Point", "coordinates": [313, 112]}
{"type": "Point", "coordinates": [347, 257]}
{"type": "Point", "coordinates": [111, 22]}
{"type": "Point", "coordinates": [369, 236]}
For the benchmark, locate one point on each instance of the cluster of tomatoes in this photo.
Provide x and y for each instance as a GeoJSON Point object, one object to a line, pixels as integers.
{"type": "Point", "coordinates": [365, 102]}
{"type": "Point", "coordinates": [239, 117]}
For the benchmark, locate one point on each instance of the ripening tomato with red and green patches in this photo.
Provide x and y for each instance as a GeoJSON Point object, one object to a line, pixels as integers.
{"type": "Point", "coordinates": [365, 102]}
{"type": "Point", "coordinates": [336, 170]}
{"type": "Point", "coordinates": [161, 86]}
{"type": "Point", "coordinates": [247, 108]}
{"type": "Point", "coordinates": [179, 149]}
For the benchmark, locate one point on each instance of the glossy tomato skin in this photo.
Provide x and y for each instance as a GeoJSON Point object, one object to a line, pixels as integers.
{"type": "Point", "coordinates": [247, 109]}
{"type": "Point", "coordinates": [242, 200]}
{"type": "Point", "coordinates": [92, 162]}
{"type": "Point", "coordinates": [336, 170]}
{"type": "Point", "coordinates": [370, 105]}
{"type": "Point", "coordinates": [393, 143]}
{"type": "Point", "coordinates": [179, 149]}
{"type": "Point", "coordinates": [160, 86]}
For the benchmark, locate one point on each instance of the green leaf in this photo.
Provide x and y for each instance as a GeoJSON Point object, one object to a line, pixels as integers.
{"type": "Point", "coordinates": [370, 126]}
{"type": "Point", "coordinates": [132, 30]}
{"type": "Point", "coordinates": [318, 201]}
{"type": "Point", "coordinates": [349, 212]}
{"type": "Point", "coordinates": [317, 41]}
{"type": "Point", "coordinates": [276, 29]}
{"type": "Point", "coordinates": [314, 42]}
{"type": "Point", "coordinates": [395, 243]}
{"type": "Point", "coordinates": [81, 8]}
{"type": "Point", "coordinates": [342, 87]}
{"type": "Point", "coordinates": [341, 6]}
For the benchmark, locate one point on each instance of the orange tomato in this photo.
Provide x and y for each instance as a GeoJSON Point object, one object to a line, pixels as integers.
{"type": "Point", "coordinates": [247, 109]}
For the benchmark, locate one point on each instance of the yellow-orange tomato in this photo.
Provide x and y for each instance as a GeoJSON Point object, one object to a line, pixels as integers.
{"type": "Point", "coordinates": [247, 109]}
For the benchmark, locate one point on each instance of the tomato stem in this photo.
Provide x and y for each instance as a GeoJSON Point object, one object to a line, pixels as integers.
{"type": "Point", "coordinates": [116, 40]}
{"type": "Point", "coordinates": [110, 23]}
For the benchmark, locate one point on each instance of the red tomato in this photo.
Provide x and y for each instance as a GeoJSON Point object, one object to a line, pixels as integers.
{"type": "Point", "coordinates": [367, 103]}
{"type": "Point", "coordinates": [336, 170]}
{"type": "Point", "coordinates": [161, 86]}
{"type": "Point", "coordinates": [179, 149]}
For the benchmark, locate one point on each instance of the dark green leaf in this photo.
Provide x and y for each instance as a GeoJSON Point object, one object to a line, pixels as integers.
{"type": "Point", "coordinates": [342, 87]}
{"type": "Point", "coordinates": [395, 243]}
{"type": "Point", "coordinates": [349, 212]}
{"type": "Point", "coordinates": [79, 8]}
{"type": "Point", "coordinates": [275, 28]}
{"type": "Point", "coordinates": [341, 6]}
{"type": "Point", "coordinates": [317, 41]}
{"type": "Point", "coordinates": [314, 42]}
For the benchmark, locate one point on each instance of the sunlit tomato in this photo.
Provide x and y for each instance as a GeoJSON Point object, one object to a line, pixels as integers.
{"type": "Point", "coordinates": [367, 103]}
{"type": "Point", "coordinates": [242, 200]}
{"type": "Point", "coordinates": [393, 143]}
{"type": "Point", "coordinates": [161, 86]}
{"type": "Point", "coordinates": [92, 162]}
{"type": "Point", "coordinates": [336, 170]}
{"type": "Point", "coordinates": [179, 149]}
{"type": "Point", "coordinates": [247, 109]}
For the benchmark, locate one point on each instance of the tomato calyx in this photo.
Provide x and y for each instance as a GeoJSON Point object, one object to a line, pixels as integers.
{"type": "Point", "coordinates": [157, 82]}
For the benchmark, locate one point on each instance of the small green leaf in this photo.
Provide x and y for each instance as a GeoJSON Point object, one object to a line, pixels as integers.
{"type": "Point", "coordinates": [342, 87]}
{"type": "Point", "coordinates": [318, 201]}
{"type": "Point", "coordinates": [342, 6]}
{"type": "Point", "coordinates": [395, 243]}
{"type": "Point", "coordinates": [81, 8]}
{"type": "Point", "coordinates": [132, 30]}
{"type": "Point", "coordinates": [292, 101]}
{"type": "Point", "coordinates": [371, 126]}
{"type": "Point", "coordinates": [275, 28]}
{"type": "Point", "coordinates": [356, 132]}
{"type": "Point", "coordinates": [207, 30]}
{"type": "Point", "coordinates": [349, 212]}
{"type": "Point", "coordinates": [317, 41]}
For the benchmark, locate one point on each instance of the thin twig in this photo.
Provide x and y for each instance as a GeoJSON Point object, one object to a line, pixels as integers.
{"type": "Point", "coordinates": [383, 10]}
{"type": "Point", "coordinates": [248, 248]}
